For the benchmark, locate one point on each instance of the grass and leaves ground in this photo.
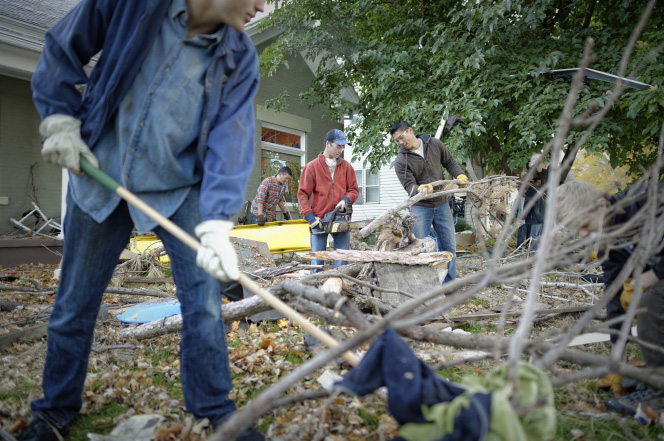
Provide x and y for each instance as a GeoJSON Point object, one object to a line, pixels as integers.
{"type": "Point", "coordinates": [134, 377]}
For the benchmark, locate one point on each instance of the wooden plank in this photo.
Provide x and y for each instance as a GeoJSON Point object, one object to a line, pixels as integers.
{"type": "Point", "coordinates": [435, 259]}
{"type": "Point", "coordinates": [252, 254]}
{"type": "Point", "coordinates": [492, 315]}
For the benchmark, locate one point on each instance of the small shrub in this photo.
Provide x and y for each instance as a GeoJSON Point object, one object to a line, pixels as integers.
{"type": "Point", "coordinates": [462, 226]}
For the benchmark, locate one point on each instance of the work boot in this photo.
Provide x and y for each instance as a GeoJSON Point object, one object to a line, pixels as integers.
{"type": "Point", "coordinates": [39, 429]}
{"type": "Point", "coordinates": [646, 396]}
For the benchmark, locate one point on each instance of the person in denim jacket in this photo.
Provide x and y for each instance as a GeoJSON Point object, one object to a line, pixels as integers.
{"type": "Point", "coordinates": [167, 111]}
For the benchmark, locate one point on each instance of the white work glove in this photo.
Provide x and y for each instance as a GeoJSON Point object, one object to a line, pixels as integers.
{"type": "Point", "coordinates": [216, 254]}
{"type": "Point", "coordinates": [341, 205]}
{"type": "Point", "coordinates": [316, 223]}
{"type": "Point", "coordinates": [63, 145]}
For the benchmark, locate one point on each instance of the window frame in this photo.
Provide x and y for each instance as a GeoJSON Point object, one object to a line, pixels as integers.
{"type": "Point", "coordinates": [301, 152]}
{"type": "Point", "coordinates": [363, 188]}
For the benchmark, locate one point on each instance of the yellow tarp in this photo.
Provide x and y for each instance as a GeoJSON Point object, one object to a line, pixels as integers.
{"type": "Point", "coordinates": [281, 237]}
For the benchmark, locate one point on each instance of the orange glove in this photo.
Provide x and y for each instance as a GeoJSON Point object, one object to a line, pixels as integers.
{"type": "Point", "coordinates": [627, 294]}
{"type": "Point", "coordinates": [613, 381]}
{"type": "Point", "coordinates": [462, 178]}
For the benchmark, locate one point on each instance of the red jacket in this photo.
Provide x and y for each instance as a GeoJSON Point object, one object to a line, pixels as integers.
{"type": "Point", "coordinates": [316, 184]}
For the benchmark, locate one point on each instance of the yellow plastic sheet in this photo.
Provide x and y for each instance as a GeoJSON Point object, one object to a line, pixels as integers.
{"type": "Point", "coordinates": [281, 237]}
{"type": "Point", "coordinates": [141, 244]}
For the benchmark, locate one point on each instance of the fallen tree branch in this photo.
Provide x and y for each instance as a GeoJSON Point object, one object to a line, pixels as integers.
{"type": "Point", "coordinates": [651, 376]}
{"type": "Point", "coordinates": [385, 217]}
{"type": "Point", "coordinates": [31, 333]}
{"type": "Point", "coordinates": [231, 311]}
{"type": "Point", "coordinates": [16, 290]}
{"type": "Point", "coordinates": [328, 299]}
{"type": "Point", "coordinates": [8, 306]}
{"type": "Point", "coordinates": [138, 292]}
{"type": "Point", "coordinates": [23, 293]}
{"type": "Point", "coordinates": [148, 280]}
{"type": "Point", "coordinates": [111, 348]}
{"type": "Point", "coordinates": [434, 259]}
{"type": "Point", "coordinates": [292, 399]}
{"type": "Point", "coordinates": [473, 317]}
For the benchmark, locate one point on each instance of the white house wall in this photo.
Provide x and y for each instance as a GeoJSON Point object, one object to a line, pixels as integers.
{"type": "Point", "coordinates": [390, 190]}
{"type": "Point", "coordinates": [391, 193]}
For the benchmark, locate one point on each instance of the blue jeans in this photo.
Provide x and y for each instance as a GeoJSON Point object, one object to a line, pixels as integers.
{"type": "Point", "coordinates": [535, 232]}
{"type": "Point", "coordinates": [91, 251]}
{"type": "Point", "coordinates": [441, 219]}
{"type": "Point", "coordinates": [526, 231]}
{"type": "Point", "coordinates": [319, 243]}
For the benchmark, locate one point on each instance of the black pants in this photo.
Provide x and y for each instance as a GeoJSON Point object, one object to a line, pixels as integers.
{"type": "Point", "coordinates": [231, 290]}
{"type": "Point", "coordinates": [650, 325]}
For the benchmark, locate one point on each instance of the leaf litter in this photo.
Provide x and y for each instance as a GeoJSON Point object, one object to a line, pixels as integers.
{"type": "Point", "coordinates": [143, 377]}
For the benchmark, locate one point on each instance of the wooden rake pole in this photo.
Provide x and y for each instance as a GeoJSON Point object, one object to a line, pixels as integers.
{"type": "Point", "coordinates": [194, 244]}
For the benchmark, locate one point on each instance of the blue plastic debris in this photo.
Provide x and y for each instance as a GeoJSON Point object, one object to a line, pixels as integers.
{"type": "Point", "coordinates": [150, 312]}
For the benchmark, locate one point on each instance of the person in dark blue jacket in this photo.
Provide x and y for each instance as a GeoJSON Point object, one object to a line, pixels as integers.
{"type": "Point", "coordinates": [167, 111]}
{"type": "Point", "coordinates": [532, 227]}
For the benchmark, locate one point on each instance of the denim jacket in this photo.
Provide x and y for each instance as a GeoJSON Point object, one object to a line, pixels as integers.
{"type": "Point", "coordinates": [225, 145]}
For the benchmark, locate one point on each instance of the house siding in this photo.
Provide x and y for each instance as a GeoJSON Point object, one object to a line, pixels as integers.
{"type": "Point", "coordinates": [390, 192]}
{"type": "Point", "coordinates": [24, 176]}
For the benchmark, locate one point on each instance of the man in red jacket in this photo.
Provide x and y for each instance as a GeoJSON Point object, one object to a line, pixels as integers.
{"type": "Point", "coordinates": [326, 183]}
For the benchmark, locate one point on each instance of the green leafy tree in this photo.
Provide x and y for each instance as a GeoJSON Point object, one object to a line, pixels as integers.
{"type": "Point", "coordinates": [487, 62]}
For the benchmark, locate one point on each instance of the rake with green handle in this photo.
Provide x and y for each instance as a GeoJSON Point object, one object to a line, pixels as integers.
{"type": "Point", "coordinates": [194, 244]}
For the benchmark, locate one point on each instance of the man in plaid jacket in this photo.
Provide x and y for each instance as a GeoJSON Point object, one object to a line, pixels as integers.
{"type": "Point", "coordinates": [268, 196]}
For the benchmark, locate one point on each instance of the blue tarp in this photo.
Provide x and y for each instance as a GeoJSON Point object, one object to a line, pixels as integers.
{"type": "Point", "coordinates": [150, 312]}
